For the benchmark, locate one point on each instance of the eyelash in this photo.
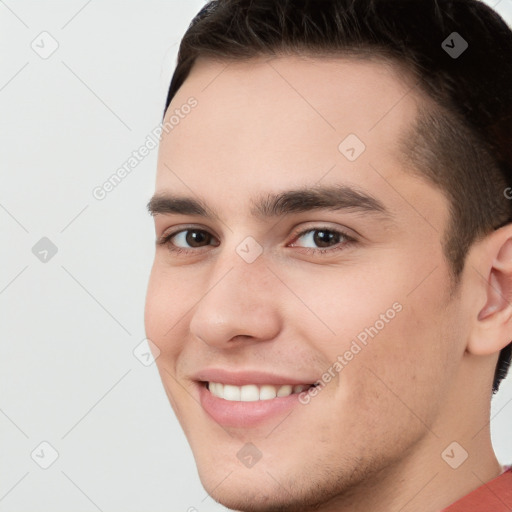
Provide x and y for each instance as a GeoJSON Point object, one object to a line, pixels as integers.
{"type": "Point", "coordinates": [165, 240]}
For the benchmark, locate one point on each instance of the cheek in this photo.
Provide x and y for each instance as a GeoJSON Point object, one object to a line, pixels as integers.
{"type": "Point", "coordinates": [391, 340]}
{"type": "Point", "coordinates": [338, 305]}
{"type": "Point", "coordinates": [404, 371]}
{"type": "Point", "coordinates": [163, 312]}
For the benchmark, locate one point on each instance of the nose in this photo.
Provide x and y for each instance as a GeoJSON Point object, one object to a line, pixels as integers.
{"type": "Point", "coordinates": [237, 305]}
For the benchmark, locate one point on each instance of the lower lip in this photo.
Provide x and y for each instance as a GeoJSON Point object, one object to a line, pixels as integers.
{"type": "Point", "coordinates": [244, 414]}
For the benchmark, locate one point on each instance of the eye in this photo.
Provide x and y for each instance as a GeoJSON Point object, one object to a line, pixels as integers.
{"type": "Point", "coordinates": [322, 240]}
{"type": "Point", "coordinates": [314, 240]}
{"type": "Point", "coordinates": [187, 239]}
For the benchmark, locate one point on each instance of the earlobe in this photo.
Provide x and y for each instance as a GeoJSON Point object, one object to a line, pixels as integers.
{"type": "Point", "coordinates": [492, 328]}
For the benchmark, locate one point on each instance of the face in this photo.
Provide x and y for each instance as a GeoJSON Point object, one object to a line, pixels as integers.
{"type": "Point", "coordinates": [299, 297]}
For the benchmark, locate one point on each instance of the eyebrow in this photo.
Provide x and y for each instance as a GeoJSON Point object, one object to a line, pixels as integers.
{"type": "Point", "coordinates": [335, 197]}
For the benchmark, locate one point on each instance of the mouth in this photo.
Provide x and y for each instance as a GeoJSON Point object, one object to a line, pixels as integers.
{"type": "Point", "coordinates": [254, 392]}
{"type": "Point", "coordinates": [248, 399]}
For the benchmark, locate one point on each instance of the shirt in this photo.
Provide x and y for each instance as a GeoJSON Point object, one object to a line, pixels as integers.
{"type": "Point", "coordinates": [493, 496]}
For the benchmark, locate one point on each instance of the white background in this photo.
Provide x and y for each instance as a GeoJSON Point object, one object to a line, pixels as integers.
{"type": "Point", "coordinates": [68, 375]}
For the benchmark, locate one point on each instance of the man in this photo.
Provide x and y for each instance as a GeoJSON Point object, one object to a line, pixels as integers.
{"type": "Point", "coordinates": [330, 295]}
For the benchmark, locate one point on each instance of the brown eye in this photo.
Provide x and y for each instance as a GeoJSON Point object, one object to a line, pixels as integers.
{"type": "Point", "coordinates": [324, 238]}
{"type": "Point", "coordinates": [197, 238]}
{"type": "Point", "coordinates": [319, 238]}
{"type": "Point", "coordinates": [189, 239]}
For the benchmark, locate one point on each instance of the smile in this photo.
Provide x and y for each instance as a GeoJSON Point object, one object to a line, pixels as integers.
{"type": "Point", "coordinates": [254, 392]}
{"type": "Point", "coordinates": [249, 398]}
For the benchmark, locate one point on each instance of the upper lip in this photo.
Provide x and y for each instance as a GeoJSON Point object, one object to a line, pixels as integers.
{"type": "Point", "coordinates": [238, 378]}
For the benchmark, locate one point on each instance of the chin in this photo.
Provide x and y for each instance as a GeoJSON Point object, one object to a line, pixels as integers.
{"type": "Point", "coordinates": [263, 489]}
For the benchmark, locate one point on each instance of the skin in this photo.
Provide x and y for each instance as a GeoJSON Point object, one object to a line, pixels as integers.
{"type": "Point", "coordinates": [372, 439]}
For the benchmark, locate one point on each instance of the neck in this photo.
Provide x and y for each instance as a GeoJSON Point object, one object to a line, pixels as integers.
{"type": "Point", "coordinates": [454, 457]}
{"type": "Point", "coordinates": [424, 480]}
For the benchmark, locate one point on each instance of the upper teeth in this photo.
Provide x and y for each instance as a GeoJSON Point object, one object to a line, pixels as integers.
{"type": "Point", "coordinates": [252, 392]}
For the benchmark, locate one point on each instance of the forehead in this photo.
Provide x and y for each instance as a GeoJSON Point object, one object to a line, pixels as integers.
{"type": "Point", "coordinates": [267, 123]}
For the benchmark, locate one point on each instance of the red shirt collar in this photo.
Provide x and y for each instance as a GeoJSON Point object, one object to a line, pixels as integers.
{"type": "Point", "coordinates": [493, 496]}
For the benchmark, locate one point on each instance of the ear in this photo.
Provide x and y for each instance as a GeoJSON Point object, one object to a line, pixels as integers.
{"type": "Point", "coordinates": [490, 260]}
